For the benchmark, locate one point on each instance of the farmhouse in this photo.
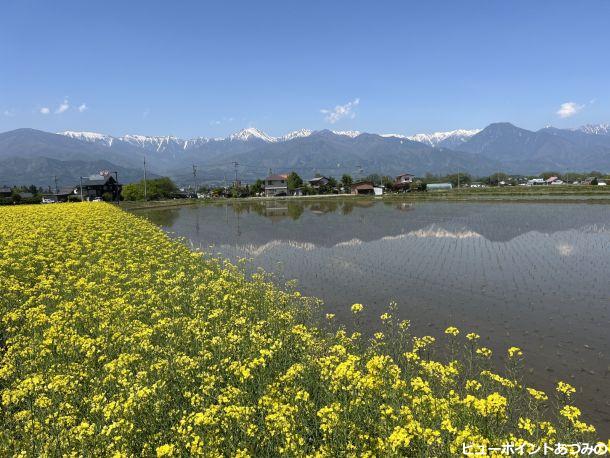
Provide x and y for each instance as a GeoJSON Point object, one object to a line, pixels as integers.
{"type": "Point", "coordinates": [96, 186]}
{"type": "Point", "coordinates": [363, 188]}
{"type": "Point", "coordinates": [6, 192]}
{"type": "Point", "coordinates": [276, 185]}
{"type": "Point", "coordinates": [318, 182]}
{"type": "Point", "coordinates": [403, 182]}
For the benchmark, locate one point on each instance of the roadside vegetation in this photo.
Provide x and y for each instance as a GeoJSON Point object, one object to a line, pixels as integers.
{"type": "Point", "coordinates": [116, 340]}
{"type": "Point", "coordinates": [155, 189]}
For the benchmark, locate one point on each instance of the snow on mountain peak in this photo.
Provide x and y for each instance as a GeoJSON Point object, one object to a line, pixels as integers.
{"type": "Point", "coordinates": [393, 135]}
{"type": "Point", "coordinates": [152, 143]}
{"type": "Point", "coordinates": [347, 133]}
{"type": "Point", "coordinates": [456, 136]}
{"type": "Point", "coordinates": [250, 133]}
{"type": "Point", "coordinates": [91, 137]}
{"type": "Point", "coordinates": [296, 134]}
{"type": "Point", "coordinates": [595, 129]}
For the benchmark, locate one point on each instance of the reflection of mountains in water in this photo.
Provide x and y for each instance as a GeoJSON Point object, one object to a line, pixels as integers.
{"type": "Point", "coordinates": [333, 222]}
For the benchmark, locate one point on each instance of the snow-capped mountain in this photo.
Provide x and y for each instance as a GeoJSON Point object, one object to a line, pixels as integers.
{"type": "Point", "coordinates": [90, 137]}
{"type": "Point", "coordinates": [296, 134]}
{"type": "Point", "coordinates": [394, 136]}
{"type": "Point", "coordinates": [153, 143]}
{"type": "Point", "coordinates": [249, 134]}
{"type": "Point", "coordinates": [451, 139]}
{"type": "Point", "coordinates": [500, 146]}
{"type": "Point", "coordinates": [595, 129]}
{"type": "Point", "coordinates": [163, 143]}
{"type": "Point", "coordinates": [347, 133]}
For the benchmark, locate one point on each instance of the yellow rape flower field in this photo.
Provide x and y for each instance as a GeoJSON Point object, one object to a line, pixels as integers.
{"type": "Point", "coordinates": [117, 341]}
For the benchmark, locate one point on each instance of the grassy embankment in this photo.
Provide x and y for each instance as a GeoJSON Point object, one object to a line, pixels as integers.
{"type": "Point", "coordinates": [116, 340]}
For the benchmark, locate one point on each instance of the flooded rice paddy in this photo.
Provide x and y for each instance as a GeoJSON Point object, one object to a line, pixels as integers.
{"type": "Point", "coordinates": [534, 275]}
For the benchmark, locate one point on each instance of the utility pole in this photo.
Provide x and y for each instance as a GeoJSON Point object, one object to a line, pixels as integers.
{"type": "Point", "coordinates": [195, 177]}
{"type": "Point", "coordinates": [145, 177]}
{"type": "Point", "coordinates": [81, 189]}
{"type": "Point", "coordinates": [56, 188]}
{"type": "Point", "coordinates": [235, 165]}
{"type": "Point", "coordinates": [116, 186]}
{"type": "Point", "coordinates": [458, 178]}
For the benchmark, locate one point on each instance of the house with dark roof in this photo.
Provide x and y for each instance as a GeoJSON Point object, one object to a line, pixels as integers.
{"type": "Point", "coordinates": [318, 182]}
{"type": "Point", "coordinates": [276, 185]}
{"type": "Point", "coordinates": [96, 186]}
{"type": "Point", "coordinates": [403, 182]}
{"type": "Point", "coordinates": [6, 191]}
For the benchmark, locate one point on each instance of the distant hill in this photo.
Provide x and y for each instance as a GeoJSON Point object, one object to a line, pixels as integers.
{"type": "Point", "coordinates": [328, 153]}
{"type": "Point", "coordinates": [33, 156]}
{"type": "Point", "coordinates": [29, 156]}
{"type": "Point", "coordinates": [41, 171]}
{"type": "Point", "coordinates": [523, 151]}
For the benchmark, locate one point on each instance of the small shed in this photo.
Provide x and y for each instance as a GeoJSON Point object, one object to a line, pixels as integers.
{"type": "Point", "coordinates": [363, 188]}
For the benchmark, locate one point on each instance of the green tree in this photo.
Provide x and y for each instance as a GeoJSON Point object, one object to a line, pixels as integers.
{"type": "Point", "coordinates": [159, 188]}
{"type": "Point", "coordinates": [495, 178]}
{"type": "Point", "coordinates": [294, 181]}
{"type": "Point", "coordinates": [346, 180]}
{"type": "Point", "coordinates": [388, 182]}
{"type": "Point", "coordinates": [374, 178]}
{"type": "Point", "coordinates": [257, 187]}
{"type": "Point", "coordinates": [464, 179]}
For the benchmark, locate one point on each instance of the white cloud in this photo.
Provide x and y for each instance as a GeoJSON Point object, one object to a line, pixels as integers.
{"type": "Point", "coordinates": [224, 120]}
{"type": "Point", "coordinates": [565, 249]}
{"type": "Point", "coordinates": [9, 113]}
{"type": "Point", "coordinates": [63, 107]}
{"type": "Point", "coordinates": [45, 110]}
{"type": "Point", "coordinates": [341, 111]}
{"type": "Point", "coordinates": [82, 107]}
{"type": "Point", "coordinates": [569, 109]}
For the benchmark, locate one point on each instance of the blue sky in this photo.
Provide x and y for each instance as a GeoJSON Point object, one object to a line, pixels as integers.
{"type": "Point", "coordinates": [190, 68]}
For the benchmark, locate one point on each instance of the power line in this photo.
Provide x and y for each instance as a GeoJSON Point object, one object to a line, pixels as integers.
{"type": "Point", "coordinates": [195, 176]}
{"type": "Point", "coordinates": [235, 165]}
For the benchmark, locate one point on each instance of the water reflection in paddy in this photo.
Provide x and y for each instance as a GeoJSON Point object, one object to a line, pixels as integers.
{"type": "Point", "coordinates": [532, 275]}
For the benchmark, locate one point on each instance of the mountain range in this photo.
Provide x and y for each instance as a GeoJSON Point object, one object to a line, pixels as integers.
{"type": "Point", "coordinates": [32, 156]}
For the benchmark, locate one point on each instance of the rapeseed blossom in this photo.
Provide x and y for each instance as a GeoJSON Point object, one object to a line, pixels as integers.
{"type": "Point", "coordinates": [514, 352]}
{"type": "Point", "coordinates": [565, 388]}
{"type": "Point", "coordinates": [116, 340]}
{"type": "Point", "coordinates": [453, 331]}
